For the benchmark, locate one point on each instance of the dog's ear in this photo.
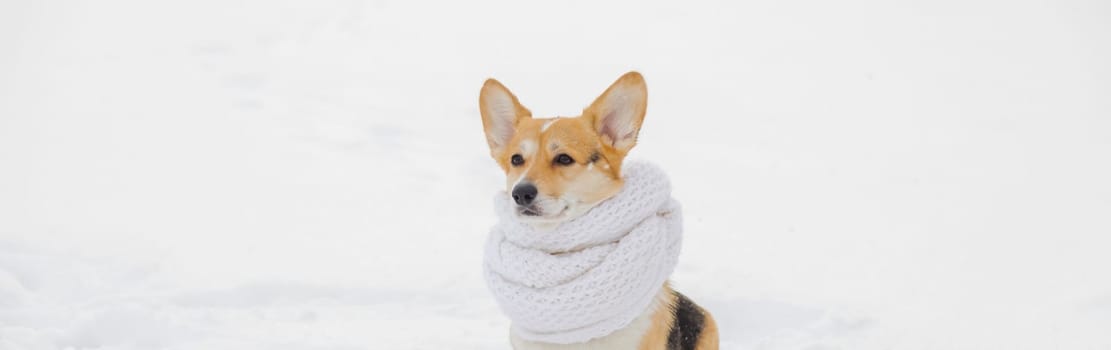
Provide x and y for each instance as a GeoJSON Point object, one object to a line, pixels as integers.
{"type": "Point", "coordinates": [618, 113]}
{"type": "Point", "coordinates": [500, 113]}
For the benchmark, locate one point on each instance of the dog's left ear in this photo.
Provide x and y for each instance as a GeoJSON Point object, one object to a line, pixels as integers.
{"type": "Point", "coordinates": [618, 113]}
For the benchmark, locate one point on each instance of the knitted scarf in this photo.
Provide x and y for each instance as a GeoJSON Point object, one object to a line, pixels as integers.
{"type": "Point", "coordinates": [590, 276]}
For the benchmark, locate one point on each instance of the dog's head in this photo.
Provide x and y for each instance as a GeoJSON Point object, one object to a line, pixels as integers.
{"type": "Point", "coordinates": [558, 168]}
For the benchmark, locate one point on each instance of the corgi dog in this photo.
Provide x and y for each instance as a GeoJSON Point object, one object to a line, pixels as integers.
{"type": "Point", "coordinates": [546, 170]}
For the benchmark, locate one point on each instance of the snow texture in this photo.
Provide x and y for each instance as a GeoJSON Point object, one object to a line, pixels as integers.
{"type": "Point", "coordinates": [313, 175]}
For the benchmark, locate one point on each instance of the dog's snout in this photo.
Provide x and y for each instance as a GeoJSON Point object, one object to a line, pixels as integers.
{"type": "Point", "coordinates": [523, 194]}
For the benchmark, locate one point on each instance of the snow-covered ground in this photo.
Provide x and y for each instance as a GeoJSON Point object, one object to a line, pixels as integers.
{"type": "Point", "coordinates": [312, 175]}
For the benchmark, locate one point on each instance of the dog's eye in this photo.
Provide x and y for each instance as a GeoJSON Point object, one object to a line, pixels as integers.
{"type": "Point", "coordinates": [516, 160]}
{"type": "Point", "coordinates": [564, 159]}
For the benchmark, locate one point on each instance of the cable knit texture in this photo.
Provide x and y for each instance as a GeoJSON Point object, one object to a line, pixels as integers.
{"type": "Point", "coordinates": [590, 276]}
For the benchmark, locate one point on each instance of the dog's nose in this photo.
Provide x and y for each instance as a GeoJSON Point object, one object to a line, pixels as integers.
{"type": "Point", "coordinates": [523, 194]}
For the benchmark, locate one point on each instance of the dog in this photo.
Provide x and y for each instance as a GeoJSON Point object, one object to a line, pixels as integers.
{"type": "Point", "coordinates": [557, 169]}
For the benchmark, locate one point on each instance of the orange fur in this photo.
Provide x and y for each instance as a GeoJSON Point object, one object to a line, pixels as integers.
{"type": "Point", "coordinates": [597, 142]}
{"type": "Point", "coordinates": [571, 136]}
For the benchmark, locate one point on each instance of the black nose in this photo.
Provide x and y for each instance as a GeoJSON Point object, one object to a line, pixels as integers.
{"type": "Point", "coordinates": [523, 194]}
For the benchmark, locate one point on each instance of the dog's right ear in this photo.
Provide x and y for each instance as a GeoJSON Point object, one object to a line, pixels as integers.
{"type": "Point", "coordinates": [500, 113]}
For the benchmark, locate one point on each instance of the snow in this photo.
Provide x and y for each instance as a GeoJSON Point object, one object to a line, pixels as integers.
{"type": "Point", "coordinates": [313, 175]}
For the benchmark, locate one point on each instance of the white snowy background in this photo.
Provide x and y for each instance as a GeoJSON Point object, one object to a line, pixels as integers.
{"type": "Point", "coordinates": [312, 175]}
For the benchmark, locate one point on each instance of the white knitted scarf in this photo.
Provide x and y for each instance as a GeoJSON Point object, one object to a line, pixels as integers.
{"type": "Point", "coordinates": [590, 276]}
